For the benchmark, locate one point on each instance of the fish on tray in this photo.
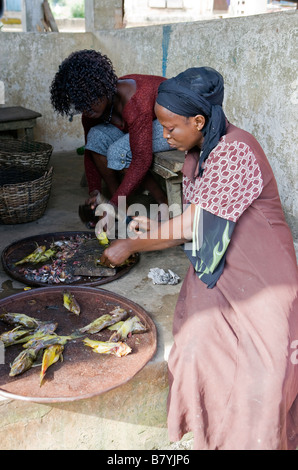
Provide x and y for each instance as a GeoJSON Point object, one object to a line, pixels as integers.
{"type": "Point", "coordinates": [104, 321]}
{"type": "Point", "coordinates": [14, 336]}
{"type": "Point", "coordinates": [19, 319]}
{"type": "Point", "coordinates": [45, 341]}
{"type": "Point", "coordinates": [39, 255]}
{"type": "Point", "coordinates": [70, 303]}
{"type": "Point", "coordinates": [33, 348]}
{"type": "Point", "coordinates": [51, 355]}
{"type": "Point", "coordinates": [48, 254]}
{"type": "Point", "coordinates": [23, 362]}
{"type": "Point", "coordinates": [33, 257]}
{"type": "Point", "coordinates": [46, 328]}
{"type": "Point", "coordinates": [130, 326]}
{"type": "Point", "coordinates": [118, 349]}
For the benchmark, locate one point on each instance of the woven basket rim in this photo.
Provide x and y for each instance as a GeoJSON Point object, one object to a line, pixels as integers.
{"type": "Point", "coordinates": [23, 141]}
{"type": "Point", "coordinates": [18, 147]}
{"type": "Point", "coordinates": [45, 174]}
{"type": "Point", "coordinates": [19, 174]}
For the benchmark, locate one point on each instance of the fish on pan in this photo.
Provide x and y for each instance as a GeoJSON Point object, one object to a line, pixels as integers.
{"type": "Point", "coordinates": [14, 336]}
{"type": "Point", "coordinates": [46, 340]}
{"type": "Point", "coordinates": [118, 349]}
{"type": "Point", "coordinates": [23, 362]}
{"type": "Point", "coordinates": [51, 355]}
{"type": "Point", "coordinates": [19, 319]}
{"type": "Point", "coordinates": [104, 321]}
{"type": "Point", "coordinates": [34, 256]}
{"type": "Point", "coordinates": [130, 326]}
{"type": "Point", "coordinates": [70, 303]}
{"type": "Point", "coordinates": [46, 328]}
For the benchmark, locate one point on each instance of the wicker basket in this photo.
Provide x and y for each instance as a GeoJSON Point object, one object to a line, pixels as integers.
{"type": "Point", "coordinates": [35, 155]}
{"type": "Point", "coordinates": [24, 202]}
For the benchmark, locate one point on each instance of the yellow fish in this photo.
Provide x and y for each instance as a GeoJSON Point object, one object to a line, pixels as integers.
{"type": "Point", "coordinates": [103, 239]}
{"type": "Point", "coordinates": [70, 303]}
{"type": "Point", "coordinates": [104, 321]}
{"type": "Point", "coordinates": [130, 326]}
{"type": "Point", "coordinates": [32, 257]}
{"type": "Point", "coordinates": [23, 362]}
{"type": "Point", "coordinates": [19, 319]}
{"type": "Point", "coordinates": [11, 337]}
{"type": "Point", "coordinates": [51, 355]}
{"type": "Point", "coordinates": [105, 347]}
{"type": "Point", "coordinates": [43, 342]}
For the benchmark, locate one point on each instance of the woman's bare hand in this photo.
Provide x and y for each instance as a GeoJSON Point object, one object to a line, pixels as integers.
{"type": "Point", "coordinates": [92, 200]}
{"type": "Point", "coordinates": [118, 252]}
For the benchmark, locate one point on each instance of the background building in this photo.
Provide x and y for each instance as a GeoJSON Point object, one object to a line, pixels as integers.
{"type": "Point", "coordinates": [247, 7]}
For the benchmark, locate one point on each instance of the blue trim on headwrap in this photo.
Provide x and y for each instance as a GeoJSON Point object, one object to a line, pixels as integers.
{"type": "Point", "coordinates": [198, 90]}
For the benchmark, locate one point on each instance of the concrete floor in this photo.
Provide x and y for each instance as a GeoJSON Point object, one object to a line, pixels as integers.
{"type": "Point", "coordinates": [101, 422]}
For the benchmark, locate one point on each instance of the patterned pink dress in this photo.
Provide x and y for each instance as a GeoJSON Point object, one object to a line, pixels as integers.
{"type": "Point", "coordinates": [233, 368]}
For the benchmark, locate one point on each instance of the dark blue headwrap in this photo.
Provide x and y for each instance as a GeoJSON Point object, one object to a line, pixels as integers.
{"type": "Point", "coordinates": [198, 90]}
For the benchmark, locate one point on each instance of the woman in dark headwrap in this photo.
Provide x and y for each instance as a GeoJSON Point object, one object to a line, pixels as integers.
{"type": "Point", "coordinates": [233, 367]}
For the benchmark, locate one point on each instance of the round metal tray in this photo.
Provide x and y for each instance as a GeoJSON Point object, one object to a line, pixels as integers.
{"type": "Point", "coordinates": [17, 250]}
{"type": "Point", "coordinates": [83, 373]}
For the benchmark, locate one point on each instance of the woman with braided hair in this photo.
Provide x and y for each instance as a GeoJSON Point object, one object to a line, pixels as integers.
{"type": "Point", "coordinates": [121, 130]}
{"type": "Point", "coordinates": [233, 372]}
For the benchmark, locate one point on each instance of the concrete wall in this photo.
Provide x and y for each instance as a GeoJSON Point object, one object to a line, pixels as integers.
{"type": "Point", "coordinates": [28, 63]}
{"type": "Point", "coordinates": [257, 56]}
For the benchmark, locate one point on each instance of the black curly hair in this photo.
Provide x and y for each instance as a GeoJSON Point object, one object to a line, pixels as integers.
{"type": "Point", "coordinates": [83, 78]}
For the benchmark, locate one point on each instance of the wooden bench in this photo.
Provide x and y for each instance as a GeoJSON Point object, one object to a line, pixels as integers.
{"type": "Point", "coordinates": [15, 118]}
{"type": "Point", "coordinates": [168, 165]}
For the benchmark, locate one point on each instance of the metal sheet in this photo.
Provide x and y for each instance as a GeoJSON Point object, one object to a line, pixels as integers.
{"type": "Point", "coordinates": [83, 373]}
{"type": "Point", "coordinates": [87, 257]}
{"type": "Point", "coordinates": [17, 250]}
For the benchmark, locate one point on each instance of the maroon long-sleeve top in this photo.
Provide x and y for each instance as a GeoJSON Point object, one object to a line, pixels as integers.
{"type": "Point", "coordinates": [137, 115]}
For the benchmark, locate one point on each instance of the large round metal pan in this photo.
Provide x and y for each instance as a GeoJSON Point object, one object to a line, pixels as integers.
{"type": "Point", "coordinates": [83, 373]}
{"type": "Point", "coordinates": [17, 250]}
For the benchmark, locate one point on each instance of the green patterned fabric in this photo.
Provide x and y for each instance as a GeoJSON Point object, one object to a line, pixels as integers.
{"type": "Point", "coordinates": [207, 251]}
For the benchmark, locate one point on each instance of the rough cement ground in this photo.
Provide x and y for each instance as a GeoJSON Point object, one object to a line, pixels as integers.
{"type": "Point", "coordinates": [101, 422]}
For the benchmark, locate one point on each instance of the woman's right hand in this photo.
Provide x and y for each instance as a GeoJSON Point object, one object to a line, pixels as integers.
{"type": "Point", "coordinates": [92, 200]}
{"type": "Point", "coordinates": [118, 252]}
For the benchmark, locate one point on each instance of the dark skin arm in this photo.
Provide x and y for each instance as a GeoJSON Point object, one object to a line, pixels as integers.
{"type": "Point", "coordinates": [163, 235]}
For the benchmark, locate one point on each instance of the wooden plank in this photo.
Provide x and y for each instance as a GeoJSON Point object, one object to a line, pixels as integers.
{"type": "Point", "coordinates": [16, 113]}
{"type": "Point", "coordinates": [174, 194]}
{"type": "Point", "coordinates": [49, 19]}
{"type": "Point", "coordinates": [163, 172]}
{"type": "Point", "coordinates": [172, 160]}
{"type": "Point", "coordinates": [12, 125]}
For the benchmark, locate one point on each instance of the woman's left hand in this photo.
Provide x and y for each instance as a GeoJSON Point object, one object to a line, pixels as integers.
{"type": "Point", "coordinates": [118, 252]}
